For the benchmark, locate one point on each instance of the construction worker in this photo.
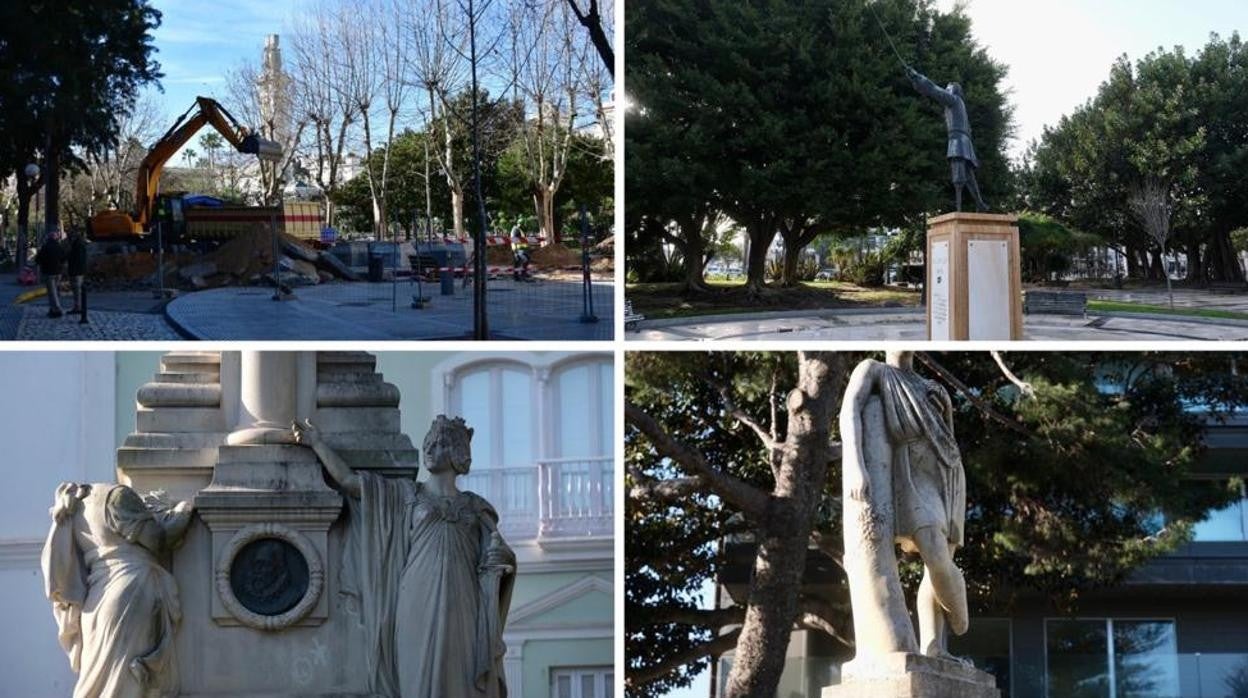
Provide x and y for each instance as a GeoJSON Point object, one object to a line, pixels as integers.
{"type": "Point", "coordinates": [520, 252]}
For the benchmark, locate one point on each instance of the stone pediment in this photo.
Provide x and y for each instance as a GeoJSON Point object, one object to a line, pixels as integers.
{"type": "Point", "coordinates": [587, 601]}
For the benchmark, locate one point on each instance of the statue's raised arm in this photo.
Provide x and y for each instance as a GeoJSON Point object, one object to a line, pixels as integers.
{"type": "Point", "coordinates": [927, 88]}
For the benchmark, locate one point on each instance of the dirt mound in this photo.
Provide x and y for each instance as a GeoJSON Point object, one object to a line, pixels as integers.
{"type": "Point", "coordinates": [556, 256]}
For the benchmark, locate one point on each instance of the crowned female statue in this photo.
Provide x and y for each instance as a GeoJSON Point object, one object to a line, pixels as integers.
{"type": "Point", "coordinates": [429, 569]}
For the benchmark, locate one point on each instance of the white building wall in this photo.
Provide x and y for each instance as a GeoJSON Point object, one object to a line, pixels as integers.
{"type": "Point", "coordinates": [57, 419]}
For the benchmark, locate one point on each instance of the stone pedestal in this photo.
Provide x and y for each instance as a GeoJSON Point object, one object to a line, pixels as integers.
{"type": "Point", "coordinates": [258, 570]}
{"type": "Point", "coordinates": [904, 675]}
{"type": "Point", "coordinates": [974, 278]}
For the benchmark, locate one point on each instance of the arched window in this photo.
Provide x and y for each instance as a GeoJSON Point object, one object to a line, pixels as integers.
{"type": "Point", "coordinates": [583, 407]}
{"type": "Point", "coordinates": [498, 402]}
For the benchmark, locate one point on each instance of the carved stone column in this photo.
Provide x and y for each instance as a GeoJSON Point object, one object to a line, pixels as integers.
{"type": "Point", "coordinates": [268, 398]}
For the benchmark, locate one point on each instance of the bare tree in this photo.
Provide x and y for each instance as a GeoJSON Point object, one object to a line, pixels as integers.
{"type": "Point", "coordinates": [599, 31]}
{"type": "Point", "coordinates": [1152, 203]}
{"type": "Point", "coordinates": [394, 46]}
{"type": "Point", "coordinates": [438, 68]}
{"type": "Point", "coordinates": [547, 70]}
{"type": "Point", "coordinates": [322, 94]}
{"type": "Point", "coordinates": [262, 96]}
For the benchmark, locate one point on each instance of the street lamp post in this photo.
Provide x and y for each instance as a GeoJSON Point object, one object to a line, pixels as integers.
{"type": "Point", "coordinates": [31, 172]}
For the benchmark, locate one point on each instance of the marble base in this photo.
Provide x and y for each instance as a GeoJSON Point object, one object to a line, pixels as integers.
{"type": "Point", "coordinates": [904, 675]}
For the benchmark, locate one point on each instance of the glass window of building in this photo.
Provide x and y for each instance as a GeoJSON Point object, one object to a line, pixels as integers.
{"type": "Point", "coordinates": [1227, 524]}
{"type": "Point", "coordinates": [1107, 658]}
{"type": "Point", "coordinates": [592, 682]}
{"type": "Point", "coordinates": [987, 645]}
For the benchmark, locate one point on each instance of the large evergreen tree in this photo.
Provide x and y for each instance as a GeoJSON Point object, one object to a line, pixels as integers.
{"type": "Point", "coordinates": [1168, 118]}
{"type": "Point", "coordinates": [795, 119]}
{"type": "Point", "coordinates": [1064, 488]}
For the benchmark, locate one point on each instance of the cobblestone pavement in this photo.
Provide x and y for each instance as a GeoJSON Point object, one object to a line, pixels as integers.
{"type": "Point", "coordinates": [34, 324]}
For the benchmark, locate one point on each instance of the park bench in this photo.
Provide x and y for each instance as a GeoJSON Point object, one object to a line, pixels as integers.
{"type": "Point", "coordinates": [631, 319]}
{"type": "Point", "coordinates": [1228, 287]}
{"type": "Point", "coordinates": [1055, 303]}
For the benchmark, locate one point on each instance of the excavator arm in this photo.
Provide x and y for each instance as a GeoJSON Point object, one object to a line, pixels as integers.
{"type": "Point", "coordinates": [112, 224]}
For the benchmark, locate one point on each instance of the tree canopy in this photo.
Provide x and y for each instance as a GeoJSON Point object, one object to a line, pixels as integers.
{"type": "Point", "coordinates": [1171, 120]}
{"type": "Point", "coordinates": [1068, 490]}
{"type": "Point", "coordinates": [795, 120]}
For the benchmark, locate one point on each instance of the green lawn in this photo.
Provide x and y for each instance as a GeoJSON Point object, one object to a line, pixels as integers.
{"type": "Point", "coordinates": [659, 301]}
{"type": "Point", "coordinates": [1123, 307]}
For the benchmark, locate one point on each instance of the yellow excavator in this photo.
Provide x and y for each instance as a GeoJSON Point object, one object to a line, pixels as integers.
{"type": "Point", "coordinates": [120, 225]}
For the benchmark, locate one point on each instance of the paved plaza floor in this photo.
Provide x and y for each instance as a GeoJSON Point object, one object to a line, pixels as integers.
{"type": "Point", "coordinates": [909, 325]}
{"type": "Point", "coordinates": [363, 311]}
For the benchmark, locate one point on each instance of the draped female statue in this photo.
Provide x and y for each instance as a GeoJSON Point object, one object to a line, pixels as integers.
{"type": "Point", "coordinates": [429, 569]}
{"type": "Point", "coordinates": [903, 484]}
{"type": "Point", "coordinates": [116, 606]}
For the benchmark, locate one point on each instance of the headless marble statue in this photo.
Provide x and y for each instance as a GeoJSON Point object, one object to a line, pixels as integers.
{"type": "Point", "coordinates": [430, 573]}
{"type": "Point", "coordinates": [903, 484]}
{"type": "Point", "coordinates": [116, 606]}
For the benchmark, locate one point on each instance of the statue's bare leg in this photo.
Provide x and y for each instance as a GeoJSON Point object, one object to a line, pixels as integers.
{"type": "Point", "coordinates": [942, 594]}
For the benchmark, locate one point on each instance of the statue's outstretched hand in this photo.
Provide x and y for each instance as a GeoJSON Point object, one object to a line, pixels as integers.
{"type": "Point", "coordinates": [305, 433]}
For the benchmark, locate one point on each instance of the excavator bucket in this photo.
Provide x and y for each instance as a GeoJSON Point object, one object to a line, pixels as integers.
{"type": "Point", "coordinates": [262, 148]}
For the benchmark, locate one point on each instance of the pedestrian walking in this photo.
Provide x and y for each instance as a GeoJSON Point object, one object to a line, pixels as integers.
{"type": "Point", "coordinates": [77, 267]}
{"type": "Point", "coordinates": [50, 258]}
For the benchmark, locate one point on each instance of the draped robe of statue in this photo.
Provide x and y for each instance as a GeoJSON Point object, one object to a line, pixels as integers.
{"type": "Point", "coordinates": [116, 607]}
{"type": "Point", "coordinates": [432, 621]}
{"type": "Point", "coordinates": [929, 483]}
{"type": "Point", "coordinates": [914, 471]}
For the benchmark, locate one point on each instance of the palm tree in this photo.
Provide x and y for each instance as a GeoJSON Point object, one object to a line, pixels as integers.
{"type": "Point", "coordinates": [189, 155]}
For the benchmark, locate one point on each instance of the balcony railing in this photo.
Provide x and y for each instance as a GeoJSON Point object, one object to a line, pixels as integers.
{"type": "Point", "coordinates": [576, 497]}
{"type": "Point", "coordinates": [559, 499]}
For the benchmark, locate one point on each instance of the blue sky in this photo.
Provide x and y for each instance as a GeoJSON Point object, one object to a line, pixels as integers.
{"type": "Point", "coordinates": [198, 42]}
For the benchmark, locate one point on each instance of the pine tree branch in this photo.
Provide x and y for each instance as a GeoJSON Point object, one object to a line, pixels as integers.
{"type": "Point", "coordinates": [636, 678]}
{"type": "Point", "coordinates": [1024, 386]}
{"type": "Point", "coordinates": [645, 487]}
{"type": "Point", "coordinates": [740, 494]}
{"type": "Point", "coordinates": [966, 392]}
{"type": "Point", "coordinates": [714, 618]}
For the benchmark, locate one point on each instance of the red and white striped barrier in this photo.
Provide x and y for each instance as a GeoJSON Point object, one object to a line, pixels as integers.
{"type": "Point", "coordinates": [493, 240]}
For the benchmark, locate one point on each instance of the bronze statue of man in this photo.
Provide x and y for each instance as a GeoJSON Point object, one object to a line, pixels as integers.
{"type": "Point", "coordinates": [961, 151]}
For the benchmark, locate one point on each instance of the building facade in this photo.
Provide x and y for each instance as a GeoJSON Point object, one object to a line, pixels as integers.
{"type": "Point", "coordinates": [542, 456]}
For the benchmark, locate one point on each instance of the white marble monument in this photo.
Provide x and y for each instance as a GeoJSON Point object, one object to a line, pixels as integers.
{"type": "Point", "coordinates": [903, 484]}
{"type": "Point", "coordinates": [287, 583]}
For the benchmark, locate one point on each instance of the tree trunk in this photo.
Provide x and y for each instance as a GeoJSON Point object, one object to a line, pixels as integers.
{"type": "Point", "coordinates": [1156, 266]}
{"type": "Point", "coordinates": [780, 563]}
{"type": "Point", "coordinates": [457, 213]}
{"type": "Point", "coordinates": [1222, 262]}
{"type": "Point", "coordinates": [1133, 262]}
{"type": "Point", "coordinates": [693, 249]}
{"type": "Point", "coordinates": [758, 660]}
{"type": "Point", "coordinates": [761, 234]}
{"type": "Point", "coordinates": [546, 217]}
{"type": "Point", "coordinates": [792, 256]}
{"type": "Point", "coordinates": [1195, 264]}
{"type": "Point", "coordinates": [52, 189]}
{"type": "Point", "coordinates": [23, 219]}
